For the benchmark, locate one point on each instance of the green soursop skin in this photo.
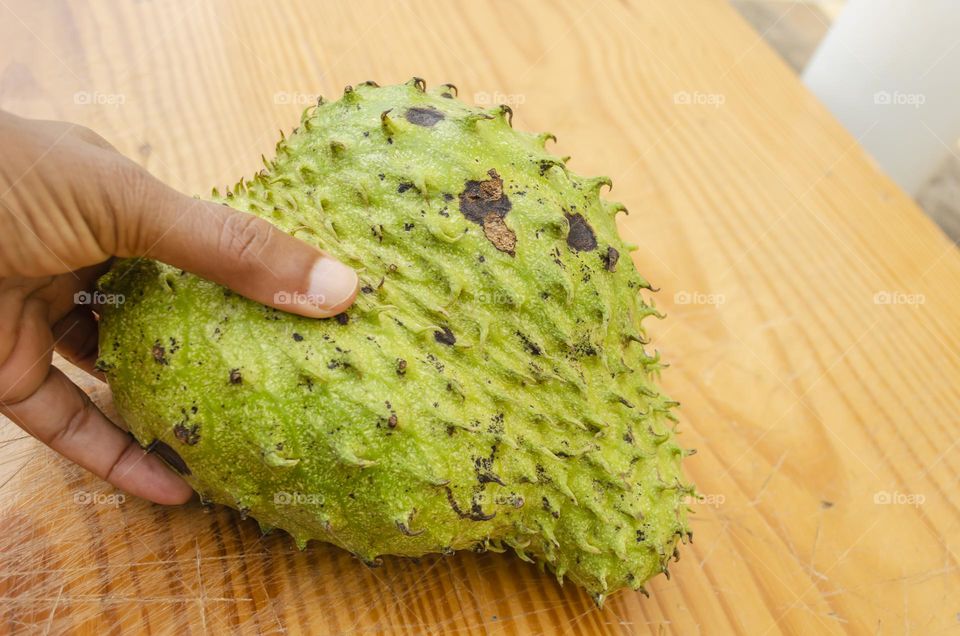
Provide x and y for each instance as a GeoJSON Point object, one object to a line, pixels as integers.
{"type": "Point", "coordinates": [490, 388]}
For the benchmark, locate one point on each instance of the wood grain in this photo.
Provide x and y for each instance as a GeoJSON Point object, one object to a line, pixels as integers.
{"type": "Point", "coordinates": [813, 321]}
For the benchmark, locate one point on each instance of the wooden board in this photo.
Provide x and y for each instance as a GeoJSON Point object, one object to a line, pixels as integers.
{"type": "Point", "coordinates": [813, 326]}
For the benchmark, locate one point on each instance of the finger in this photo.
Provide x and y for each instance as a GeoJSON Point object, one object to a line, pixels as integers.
{"type": "Point", "coordinates": [243, 252]}
{"type": "Point", "coordinates": [61, 416]}
{"type": "Point", "coordinates": [77, 337]}
{"type": "Point", "coordinates": [27, 349]}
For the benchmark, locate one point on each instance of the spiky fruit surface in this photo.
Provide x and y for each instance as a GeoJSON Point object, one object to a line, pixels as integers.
{"type": "Point", "coordinates": [489, 389]}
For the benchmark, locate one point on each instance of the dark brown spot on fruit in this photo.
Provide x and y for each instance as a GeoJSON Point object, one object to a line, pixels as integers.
{"type": "Point", "coordinates": [445, 336]}
{"type": "Point", "coordinates": [185, 434]}
{"type": "Point", "coordinates": [426, 117]}
{"type": "Point", "coordinates": [610, 260]}
{"type": "Point", "coordinates": [168, 455]}
{"type": "Point", "coordinates": [236, 377]}
{"type": "Point", "coordinates": [297, 337]}
{"type": "Point", "coordinates": [581, 237]}
{"type": "Point", "coordinates": [392, 421]}
{"type": "Point", "coordinates": [497, 232]}
{"type": "Point", "coordinates": [342, 318]}
{"type": "Point", "coordinates": [532, 347]}
{"type": "Point", "coordinates": [159, 353]}
{"type": "Point", "coordinates": [481, 198]}
{"type": "Point", "coordinates": [401, 366]}
{"type": "Point", "coordinates": [476, 512]}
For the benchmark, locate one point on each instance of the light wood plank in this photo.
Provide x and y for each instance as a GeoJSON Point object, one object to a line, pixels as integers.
{"type": "Point", "coordinates": [805, 397]}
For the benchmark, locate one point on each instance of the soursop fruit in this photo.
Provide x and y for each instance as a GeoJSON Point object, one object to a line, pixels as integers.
{"type": "Point", "coordinates": [491, 388]}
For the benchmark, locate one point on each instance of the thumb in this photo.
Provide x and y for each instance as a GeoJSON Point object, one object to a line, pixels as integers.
{"type": "Point", "coordinates": [240, 251]}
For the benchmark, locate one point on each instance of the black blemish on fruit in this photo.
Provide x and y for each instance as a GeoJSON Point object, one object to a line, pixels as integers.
{"type": "Point", "coordinates": [581, 237]}
{"type": "Point", "coordinates": [168, 455]}
{"type": "Point", "coordinates": [159, 353]}
{"type": "Point", "coordinates": [392, 421]}
{"type": "Point", "coordinates": [437, 364]}
{"type": "Point", "coordinates": [366, 289]}
{"type": "Point", "coordinates": [188, 435]}
{"type": "Point", "coordinates": [480, 198]}
{"type": "Point", "coordinates": [408, 226]}
{"type": "Point", "coordinates": [547, 507]}
{"type": "Point", "coordinates": [297, 337]}
{"type": "Point", "coordinates": [445, 337]}
{"type": "Point", "coordinates": [610, 260]}
{"type": "Point", "coordinates": [545, 165]}
{"type": "Point", "coordinates": [641, 536]}
{"type": "Point", "coordinates": [528, 344]}
{"type": "Point", "coordinates": [235, 376]}
{"type": "Point", "coordinates": [624, 401]}
{"type": "Point", "coordinates": [483, 467]}
{"type": "Point", "coordinates": [404, 186]}
{"type": "Point", "coordinates": [447, 196]}
{"type": "Point", "coordinates": [401, 366]}
{"type": "Point", "coordinates": [475, 514]}
{"type": "Point", "coordinates": [423, 116]}
{"type": "Point", "coordinates": [342, 318]}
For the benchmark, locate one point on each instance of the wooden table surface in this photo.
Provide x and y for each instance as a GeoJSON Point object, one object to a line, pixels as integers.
{"type": "Point", "coordinates": [813, 320]}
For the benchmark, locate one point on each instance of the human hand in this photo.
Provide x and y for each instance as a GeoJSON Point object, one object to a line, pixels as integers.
{"type": "Point", "coordinates": [69, 203]}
